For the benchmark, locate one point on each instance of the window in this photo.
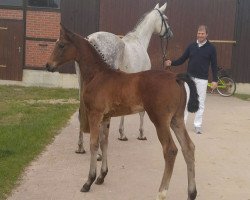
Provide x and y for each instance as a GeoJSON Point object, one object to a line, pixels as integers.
{"type": "Point", "coordinates": [11, 2]}
{"type": "Point", "coordinates": [44, 3]}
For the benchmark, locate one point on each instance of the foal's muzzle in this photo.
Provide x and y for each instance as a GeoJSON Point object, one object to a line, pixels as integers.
{"type": "Point", "coordinates": [50, 68]}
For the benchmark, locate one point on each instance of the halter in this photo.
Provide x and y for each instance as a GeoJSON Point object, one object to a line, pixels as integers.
{"type": "Point", "coordinates": [167, 29]}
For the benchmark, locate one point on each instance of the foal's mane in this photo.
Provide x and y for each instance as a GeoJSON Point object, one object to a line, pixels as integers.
{"type": "Point", "coordinates": [95, 52]}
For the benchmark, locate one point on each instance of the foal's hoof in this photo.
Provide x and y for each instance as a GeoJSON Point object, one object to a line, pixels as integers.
{"type": "Point", "coordinates": [99, 157]}
{"type": "Point", "coordinates": [80, 151]}
{"type": "Point", "coordinates": [99, 181]}
{"type": "Point", "coordinates": [123, 138]}
{"type": "Point", "coordinates": [85, 188]}
{"type": "Point", "coordinates": [142, 138]}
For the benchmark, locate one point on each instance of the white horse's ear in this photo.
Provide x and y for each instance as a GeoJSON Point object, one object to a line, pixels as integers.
{"type": "Point", "coordinates": [157, 6]}
{"type": "Point", "coordinates": [163, 8]}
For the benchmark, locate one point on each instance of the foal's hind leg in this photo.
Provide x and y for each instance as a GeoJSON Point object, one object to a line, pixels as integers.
{"type": "Point", "coordinates": [169, 152]}
{"type": "Point", "coordinates": [104, 146]}
{"type": "Point", "coordinates": [141, 134]}
{"type": "Point", "coordinates": [187, 146]}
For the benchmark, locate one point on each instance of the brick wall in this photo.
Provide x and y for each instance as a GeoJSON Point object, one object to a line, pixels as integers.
{"type": "Point", "coordinates": [11, 14]}
{"type": "Point", "coordinates": [40, 24]}
{"type": "Point", "coordinates": [37, 53]}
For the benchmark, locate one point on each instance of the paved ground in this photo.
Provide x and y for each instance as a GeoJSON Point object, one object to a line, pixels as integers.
{"type": "Point", "coordinates": [136, 167]}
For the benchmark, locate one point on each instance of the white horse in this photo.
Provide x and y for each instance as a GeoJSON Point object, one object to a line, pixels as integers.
{"type": "Point", "coordinates": [129, 53]}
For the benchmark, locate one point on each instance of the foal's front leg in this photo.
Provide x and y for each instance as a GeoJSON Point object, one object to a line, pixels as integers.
{"type": "Point", "coordinates": [94, 120]}
{"type": "Point", "coordinates": [104, 132]}
{"type": "Point", "coordinates": [81, 150]}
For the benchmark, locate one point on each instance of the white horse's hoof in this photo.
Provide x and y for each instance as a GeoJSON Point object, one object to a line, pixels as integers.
{"type": "Point", "coordinates": [162, 195]}
{"type": "Point", "coordinates": [123, 138]}
{"type": "Point", "coordinates": [141, 138]}
{"type": "Point", "coordinates": [80, 151]}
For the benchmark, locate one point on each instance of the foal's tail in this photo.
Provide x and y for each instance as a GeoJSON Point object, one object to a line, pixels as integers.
{"type": "Point", "coordinates": [193, 103]}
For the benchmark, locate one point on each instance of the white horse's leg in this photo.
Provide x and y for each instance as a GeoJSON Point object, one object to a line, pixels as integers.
{"type": "Point", "coordinates": [80, 144]}
{"type": "Point", "coordinates": [121, 130]}
{"type": "Point", "coordinates": [80, 148]}
{"type": "Point", "coordinates": [141, 129]}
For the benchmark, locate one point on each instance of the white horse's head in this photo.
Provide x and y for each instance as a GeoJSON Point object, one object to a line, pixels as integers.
{"type": "Point", "coordinates": [161, 24]}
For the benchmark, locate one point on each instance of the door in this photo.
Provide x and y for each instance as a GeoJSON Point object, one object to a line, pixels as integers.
{"type": "Point", "coordinates": [81, 17]}
{"type": "Point", "coordinates": [241, 58]}
{"type": "Point", "coordinates": [11, 50]}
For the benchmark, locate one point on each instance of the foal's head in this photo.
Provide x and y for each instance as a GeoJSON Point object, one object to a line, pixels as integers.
{"type": "Point", "coordinates": [64, 50]}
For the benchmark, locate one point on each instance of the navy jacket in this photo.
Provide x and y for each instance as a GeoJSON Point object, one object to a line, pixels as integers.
{"type": "Point", "coordinates": [200, 59]}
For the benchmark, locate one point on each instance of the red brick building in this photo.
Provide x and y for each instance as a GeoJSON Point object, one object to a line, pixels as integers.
{"type": "Point", "coordinates": [28, 30]}
{"type": "Point", "coordinates": [42, 29]}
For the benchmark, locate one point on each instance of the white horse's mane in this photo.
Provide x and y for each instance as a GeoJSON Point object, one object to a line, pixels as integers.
{"type": "Point", "coordinates": [139, 22]}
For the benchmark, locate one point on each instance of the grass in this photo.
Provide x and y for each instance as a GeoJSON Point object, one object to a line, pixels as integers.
{"type": "Point", "coordinates": [30, 117]}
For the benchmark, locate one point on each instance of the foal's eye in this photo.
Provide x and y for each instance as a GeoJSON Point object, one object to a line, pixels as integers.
{"type": "Point", "coordinates": [61, 45]}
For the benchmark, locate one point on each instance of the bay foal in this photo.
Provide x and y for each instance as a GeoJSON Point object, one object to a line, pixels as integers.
{"type": "Point", "coordinates": [108, 93]}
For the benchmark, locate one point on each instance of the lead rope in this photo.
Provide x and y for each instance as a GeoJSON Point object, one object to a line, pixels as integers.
{"type": "Point", "coordinates": [164, 52]}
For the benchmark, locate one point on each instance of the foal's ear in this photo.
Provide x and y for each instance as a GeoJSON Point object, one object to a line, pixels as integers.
{"type": "Point", "coordinates": [65, 33]}
{"type": "Point", "coordinates": [163, 8]}
{"type": "Point", "coordinates": [157, 6]}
